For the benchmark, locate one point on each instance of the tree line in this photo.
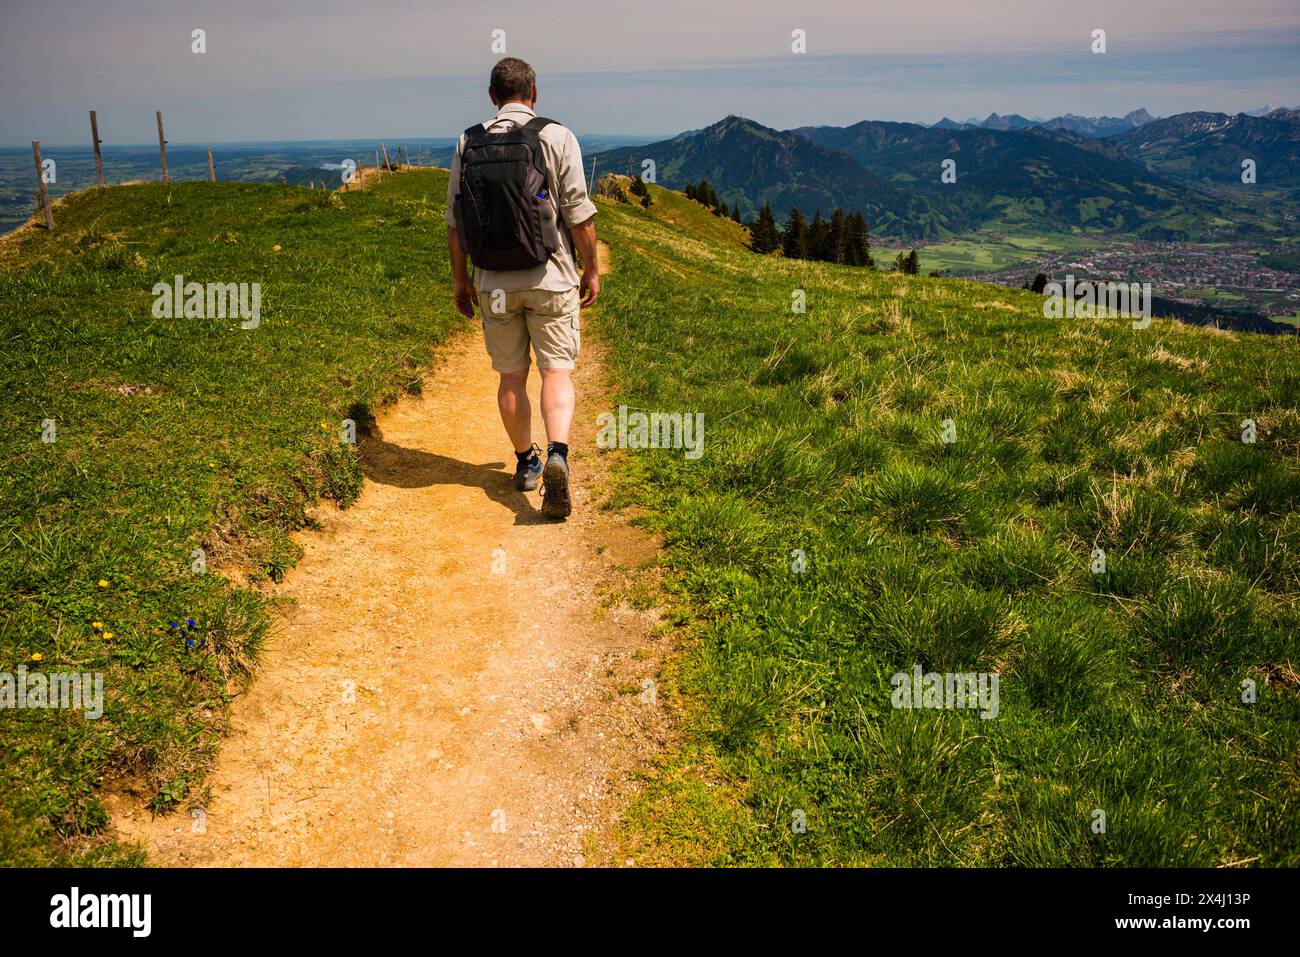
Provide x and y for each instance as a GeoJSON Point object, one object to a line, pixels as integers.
{"type": "Point", "coordinates": [705, 196]}
{"type": "Point", "coordinates": [843, 238]}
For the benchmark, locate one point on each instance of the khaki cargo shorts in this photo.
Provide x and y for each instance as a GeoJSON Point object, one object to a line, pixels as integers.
{"type": "Point", "coordinates": [549, 320]}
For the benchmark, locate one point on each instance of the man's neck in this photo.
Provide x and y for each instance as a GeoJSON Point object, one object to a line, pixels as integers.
{"type": "Point", "coordinates": [515, 104]}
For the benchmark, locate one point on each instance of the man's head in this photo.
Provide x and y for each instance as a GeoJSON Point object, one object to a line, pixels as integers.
{"type": "Point", "coordinates": [513, 81]}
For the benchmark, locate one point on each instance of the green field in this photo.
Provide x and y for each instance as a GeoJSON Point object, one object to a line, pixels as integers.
{"type": "Point", "coordinates": [238, 431]}
{"type": "Point", "coordinates": [1120, 692]}
{"type": "Point", "coordinates": [975, 255]}
{"type": "Point", "coordinates": [1223, 298]}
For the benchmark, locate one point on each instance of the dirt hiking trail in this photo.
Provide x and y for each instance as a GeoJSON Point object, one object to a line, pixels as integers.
{"type": "Point", "coordinates": [448, 688]}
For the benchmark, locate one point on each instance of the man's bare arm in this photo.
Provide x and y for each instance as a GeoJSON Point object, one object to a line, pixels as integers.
{"type": "Point", "coordinates": [584, 239]}
{"type": "Point", "coordinates": [466, 297]}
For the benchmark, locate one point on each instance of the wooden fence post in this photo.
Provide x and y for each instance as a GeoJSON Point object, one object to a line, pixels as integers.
{"type": "Point", "coordinates": [388, 166]}
{"type": "Point", "coordinates": [162, 144]}
{"type": "Point", "coordinates": [361, 177]}
{"type": "Point", "coordinates": [212, 170]}
{"type": "Point", "coordinates": [45, 190]}
{"type": "Point", "coordinates": [94, 138]}
{"type": "Point", "coordinates": [378, 174]}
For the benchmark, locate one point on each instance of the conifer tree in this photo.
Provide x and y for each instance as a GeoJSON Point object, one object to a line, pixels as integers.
{"type": "Point", "coordinates": [819, 234]}
{"type": "Point", "coordinates": [794, 239]}
{"type": "Point", "coordinates": [853, 240]}
{"type": "Point", "coordinates": [640, 189]}
{"type": "Point", "coordinates": [763, 236]}
{"type": "Point", "coordinates": [867, 259]}
{"type": "Point", "coordinates": [835, 243]}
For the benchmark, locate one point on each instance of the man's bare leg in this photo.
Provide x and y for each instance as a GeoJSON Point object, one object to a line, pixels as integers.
{"type": "Point", "coordinates": [557, 403]}
{"type": "Point", "coordinates": [516, 411]}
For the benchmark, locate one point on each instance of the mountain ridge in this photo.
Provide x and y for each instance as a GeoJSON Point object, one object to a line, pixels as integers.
{"type": "Point", "coordinates": [1032, 177]}
{"type": "Point", "coordinates": [750, 164]}
{"type": "Point", "coordinates": [1093, 126]}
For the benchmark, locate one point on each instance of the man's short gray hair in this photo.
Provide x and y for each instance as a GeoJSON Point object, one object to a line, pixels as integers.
{"type": "Point", "coordinates": [512, 79]}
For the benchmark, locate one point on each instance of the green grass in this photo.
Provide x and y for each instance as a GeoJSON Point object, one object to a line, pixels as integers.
{"type": "Point", "coordinates": [1119, 692]}
{"type": "Point", "coordinates": [173, 435]}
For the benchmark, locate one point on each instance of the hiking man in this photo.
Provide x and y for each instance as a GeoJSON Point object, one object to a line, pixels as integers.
{"type": "Point", "coordinates": [517, 206]}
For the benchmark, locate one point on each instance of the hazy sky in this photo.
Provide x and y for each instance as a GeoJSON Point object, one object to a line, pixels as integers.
{"type": "Point", "coordinates": [309, 69]}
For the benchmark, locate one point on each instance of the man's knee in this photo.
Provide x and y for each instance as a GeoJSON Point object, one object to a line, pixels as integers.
{"type": "Point", "coordinates": [556, 375]}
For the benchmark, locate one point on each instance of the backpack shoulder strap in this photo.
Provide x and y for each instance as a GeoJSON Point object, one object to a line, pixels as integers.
{"type": "Point", "coordinates": [532, 132]}
{"type": "Point", "coordinates": [472, 133]}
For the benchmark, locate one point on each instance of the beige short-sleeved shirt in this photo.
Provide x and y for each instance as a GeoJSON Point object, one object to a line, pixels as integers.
{"type": "Point", "coordinates": [568, 195]}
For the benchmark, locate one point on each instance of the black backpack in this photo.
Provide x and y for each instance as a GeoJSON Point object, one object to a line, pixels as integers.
{"type": "Point", "coordinates": [504, 219]}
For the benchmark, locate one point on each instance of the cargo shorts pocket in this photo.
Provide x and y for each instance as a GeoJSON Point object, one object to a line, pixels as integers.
{"type": "Point", "coordinates": [556, 331]}
{"type": "Point", "coordinates": [506, 338]}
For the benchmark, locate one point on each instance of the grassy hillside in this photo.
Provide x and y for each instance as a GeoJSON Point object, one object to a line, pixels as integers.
{"type": "Point", "coordinates": [1119, 692]}
{"type": "Point", "coordinates": [673, 208]}
{"type": "Point", "coordinates": [174, 435]}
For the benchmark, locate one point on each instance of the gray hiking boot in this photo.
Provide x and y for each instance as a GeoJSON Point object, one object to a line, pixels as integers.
{"type": "Point", "coordinates": [555, 487]}
{"type": "Point", "coordinates": [528, 470]}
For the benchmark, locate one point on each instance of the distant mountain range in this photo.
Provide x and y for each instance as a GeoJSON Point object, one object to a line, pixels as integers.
{"type": "Point", "coordinates": [1177, 178]}
{"type": "Point", "coordinates": [1207, 148]}
{"type": "Point", "coordinates": [1094, 126]}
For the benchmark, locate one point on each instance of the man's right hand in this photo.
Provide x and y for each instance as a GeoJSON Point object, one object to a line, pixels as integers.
{"type": "Point", "coordinates": [466, 298]}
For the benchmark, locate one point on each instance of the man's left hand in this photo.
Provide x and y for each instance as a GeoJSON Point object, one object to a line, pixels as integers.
{"type": "Point", "coordinates": [589, 286]}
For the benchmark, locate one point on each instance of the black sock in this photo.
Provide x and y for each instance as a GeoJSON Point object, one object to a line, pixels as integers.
{"type": "Point", "coordinates": [558, 448]}
{"type": "Point", "coordinates": [526, 456]}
